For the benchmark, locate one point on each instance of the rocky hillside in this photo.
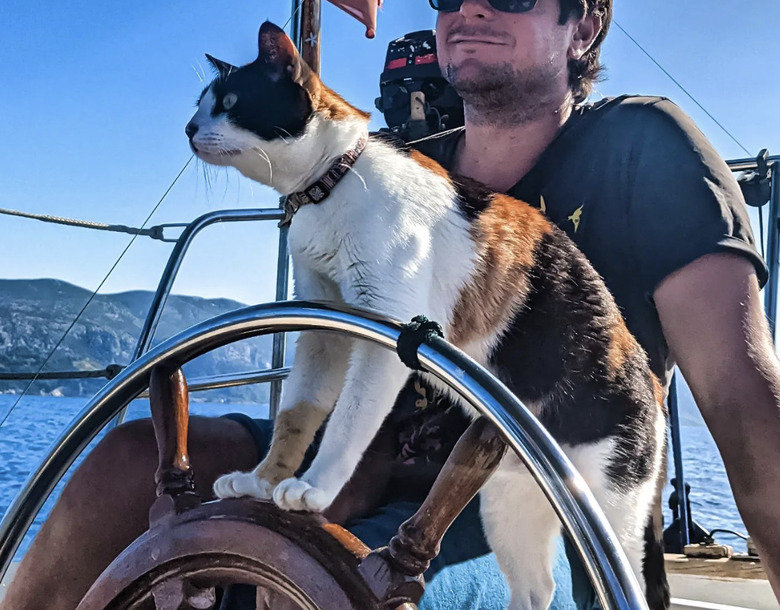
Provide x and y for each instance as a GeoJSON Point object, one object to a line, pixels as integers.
{"type": "Point", "coordinates": [34, 314]}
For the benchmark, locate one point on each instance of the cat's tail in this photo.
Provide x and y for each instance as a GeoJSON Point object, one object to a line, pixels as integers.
{"type": "Point", "coordinates": [656, 584]}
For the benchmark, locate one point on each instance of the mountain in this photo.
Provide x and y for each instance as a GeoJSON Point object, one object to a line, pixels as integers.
{"type": "Point", "coordinates": [34, 315]}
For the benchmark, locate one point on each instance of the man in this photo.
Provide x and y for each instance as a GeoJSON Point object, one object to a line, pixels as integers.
{"type": "Point", "coordinates": [631, 181]}
{"type": "Point", "coordinates": [645, 197]}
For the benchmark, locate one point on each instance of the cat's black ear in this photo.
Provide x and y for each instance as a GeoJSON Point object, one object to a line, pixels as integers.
{"type": "Point", "coordinates": [222, 67]}
{"type": "Point", "coordinates": [274, 46]}
{"type": "Point", "coordinates": [278, 53]}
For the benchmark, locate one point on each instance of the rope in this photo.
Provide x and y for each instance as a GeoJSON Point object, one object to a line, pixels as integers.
{"type": "Point", "coordinates": [420, 330]}
{"type": "Point", "coordinates": [94, 294]}
{"type": "Point", "coordinates": [153, 232]}
{"type": "Point", "coordinates": [111, 371]}
{"type": "Point", "coordinates": [711, 537]}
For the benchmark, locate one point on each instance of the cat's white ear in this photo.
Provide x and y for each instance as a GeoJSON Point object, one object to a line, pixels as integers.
{"type": "Point", "coordinates": [222, 67]}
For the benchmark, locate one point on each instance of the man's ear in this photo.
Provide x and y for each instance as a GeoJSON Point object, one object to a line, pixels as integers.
{"type": "Point", "coordinates": [278, 53]}
{"type": "Point", "coordinates": [585, 33]}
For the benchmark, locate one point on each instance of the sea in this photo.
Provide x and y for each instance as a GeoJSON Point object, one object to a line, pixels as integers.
{"type": "Point", "coordinates": [35, 423]}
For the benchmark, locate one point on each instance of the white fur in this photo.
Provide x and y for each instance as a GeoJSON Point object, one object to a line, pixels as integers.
{"type": "Point", "coordinates": [390, 238]}
{"type": "Point", "coordinates": [390, 252]}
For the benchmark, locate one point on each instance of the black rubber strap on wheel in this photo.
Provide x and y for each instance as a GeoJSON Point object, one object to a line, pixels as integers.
{"type": "Point", "coordinates": [420, 330]}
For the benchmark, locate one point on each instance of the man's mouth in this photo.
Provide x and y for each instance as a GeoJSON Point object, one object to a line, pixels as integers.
{"type": "Point", "coordinates": [476, 36]}
{"type": "Point", "coordinates": [475, 40]}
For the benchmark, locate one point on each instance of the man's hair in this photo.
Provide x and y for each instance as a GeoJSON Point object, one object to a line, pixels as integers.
{"type": "Point", "coordinates": [585, 71]}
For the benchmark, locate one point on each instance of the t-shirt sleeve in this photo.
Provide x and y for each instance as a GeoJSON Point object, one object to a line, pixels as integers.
{"type": "Point", "coordinates": [684, 201]}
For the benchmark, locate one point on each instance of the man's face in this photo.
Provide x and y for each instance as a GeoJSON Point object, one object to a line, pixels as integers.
{"type": "Point", "coordinates": [493, 57]}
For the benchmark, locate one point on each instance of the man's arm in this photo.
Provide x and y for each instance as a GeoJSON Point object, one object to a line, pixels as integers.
{"type": "Point", "coordinates": [714, 324]}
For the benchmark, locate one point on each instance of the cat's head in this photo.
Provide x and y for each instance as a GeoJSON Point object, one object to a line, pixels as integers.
{"type": "Point", "coordinates": [257, 116]}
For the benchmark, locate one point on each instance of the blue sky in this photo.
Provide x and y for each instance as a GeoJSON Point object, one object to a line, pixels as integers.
{"type": "Point", "coordinates": [95, 96]}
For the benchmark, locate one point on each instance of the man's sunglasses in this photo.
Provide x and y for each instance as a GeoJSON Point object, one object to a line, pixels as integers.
{"type": "Point", "coordinates": [505, 6]}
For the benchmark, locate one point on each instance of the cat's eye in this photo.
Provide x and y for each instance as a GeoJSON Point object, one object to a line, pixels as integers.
{"type": "Point", "coordinates": [229, 101]}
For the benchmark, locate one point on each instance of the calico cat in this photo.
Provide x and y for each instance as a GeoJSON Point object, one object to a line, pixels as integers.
{"type": "Point", "coordinates": [390, 230]}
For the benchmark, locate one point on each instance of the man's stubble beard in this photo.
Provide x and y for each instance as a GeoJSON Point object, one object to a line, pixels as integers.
{"type": "Point", "coordinates": [503, 95]}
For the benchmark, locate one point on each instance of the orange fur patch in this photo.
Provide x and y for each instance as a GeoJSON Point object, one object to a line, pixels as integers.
{"type": "Point", "coordinates": [326, 101]}
{"type": "Point", "coordinates": [621, 345]}
{"type": "Point", "coordinates": [294, 430]}
{"type": "Point", "coordinates": [429, 164]}
{"type": "Point", "coordinates": [332, 105]}
{"type": "Point", "coordinates": [323, 99]}
{"type": "Point", "coordinates": [660, 395]}
{"type": "Point", "coordinates": [506, 235]}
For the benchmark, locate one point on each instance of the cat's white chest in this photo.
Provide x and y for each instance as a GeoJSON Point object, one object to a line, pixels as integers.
{"type": "Point", "coordinates": [317, 239]}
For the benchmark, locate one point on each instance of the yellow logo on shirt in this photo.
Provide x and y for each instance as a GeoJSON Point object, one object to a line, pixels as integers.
{"type": "Point", "coordinates": [575, 217]}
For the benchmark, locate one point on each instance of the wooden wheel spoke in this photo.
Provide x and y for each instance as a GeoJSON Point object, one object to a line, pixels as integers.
{"type": "Point", "coordinates": [297, 560]}
{"type": "Point", "coordinates": [169, 403]}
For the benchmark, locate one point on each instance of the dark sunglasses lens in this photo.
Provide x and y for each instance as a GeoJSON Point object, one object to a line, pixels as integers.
{"type": "Point", "coordinates": [446, 6]}
{"type": "Point", "coordinates": [513, 6]}
{"type": "Point", "coordinates": [505, 6]}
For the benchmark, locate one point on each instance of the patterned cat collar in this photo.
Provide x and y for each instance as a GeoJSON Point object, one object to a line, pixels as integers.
{"type": "Point", "coordinates": [319, 190]}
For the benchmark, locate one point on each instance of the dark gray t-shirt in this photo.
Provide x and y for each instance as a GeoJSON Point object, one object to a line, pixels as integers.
{"type": "Point", "coordinates": [638, 188]}
{"type": "Point", "coordinates": [642, 193]}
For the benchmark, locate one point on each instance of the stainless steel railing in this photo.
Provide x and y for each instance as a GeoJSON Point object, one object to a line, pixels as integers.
{"type": "Point", "coordinates": [615, 585]}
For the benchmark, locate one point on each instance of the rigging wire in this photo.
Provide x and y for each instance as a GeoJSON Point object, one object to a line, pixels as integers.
{"type": "Point", "coordinates": [707, 112]}
{"type": "Point", "coordinates": [683, 89]}
{"type": "Point", "coordinates": [747, 152]}
{"type": "Point", "coordinates": [94, 294]}
{"type": "Point", "coordinates": [298, 6]}
{"type": "Point", "coordinates": [137, 232]}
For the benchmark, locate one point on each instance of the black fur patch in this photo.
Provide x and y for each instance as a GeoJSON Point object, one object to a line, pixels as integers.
{"type": "Point", "coordinates": [555, 353]}
{"type": "Point", "coordinates": [390, 138]}
{"type": "Point", "coordinates": [656, 584]}
{"type": "Point", "coordinates": [271, 109]}
{"type": "Point", "coordinates": [473, 197]}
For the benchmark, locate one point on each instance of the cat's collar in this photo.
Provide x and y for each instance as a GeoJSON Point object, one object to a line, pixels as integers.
{"type": "Point", "coordinates": [318, 191]}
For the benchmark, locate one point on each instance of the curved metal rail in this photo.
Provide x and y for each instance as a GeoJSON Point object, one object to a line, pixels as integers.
{"type": "Point", "coordinates": [177, 256]}
{"type": "Point", "coordinates": [602, 555]}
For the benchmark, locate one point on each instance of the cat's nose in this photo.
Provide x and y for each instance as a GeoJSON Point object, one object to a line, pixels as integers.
{"type": "Point", "coordinates": [191, 129]}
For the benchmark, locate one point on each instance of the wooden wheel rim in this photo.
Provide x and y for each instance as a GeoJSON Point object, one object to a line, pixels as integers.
{"type": "Point", "coordinates": [240, 540]}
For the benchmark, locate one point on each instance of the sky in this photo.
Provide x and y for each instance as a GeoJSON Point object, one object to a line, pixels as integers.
{"type": "Point", "coordinates": [95, 96]}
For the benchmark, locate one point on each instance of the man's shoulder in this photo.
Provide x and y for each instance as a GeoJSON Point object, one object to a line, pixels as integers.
{"type": "Point", "coordinates": [638, 111]}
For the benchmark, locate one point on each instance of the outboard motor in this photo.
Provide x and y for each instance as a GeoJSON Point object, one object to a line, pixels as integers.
{"type": "Point", "coordinates": [416, 100]}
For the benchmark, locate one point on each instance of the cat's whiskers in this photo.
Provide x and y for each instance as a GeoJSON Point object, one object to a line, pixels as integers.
{"type": "Point", "coordinates": [207, 168]}
{"type": "Point", "coordinates": [282, 130]}
{"type": "Point", "coordinates": [199, 72]}
{"type": "Point", "coordinates": [354, 171]}
{"type": "Point", "coordinates": [263, 155]}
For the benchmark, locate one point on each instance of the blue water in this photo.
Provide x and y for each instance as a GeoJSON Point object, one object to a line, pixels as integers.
{"type": "Point", "coordinates": [37, 421]}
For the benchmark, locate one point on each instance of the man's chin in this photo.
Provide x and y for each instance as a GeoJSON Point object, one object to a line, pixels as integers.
{"type": "Point", "coordinates": [474, 74]}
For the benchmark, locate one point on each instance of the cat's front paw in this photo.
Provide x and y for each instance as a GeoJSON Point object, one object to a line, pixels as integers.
{"type": "Point", "coordinates": [297, 494]}
{"type": "Point", "coordinates": [240, 484]}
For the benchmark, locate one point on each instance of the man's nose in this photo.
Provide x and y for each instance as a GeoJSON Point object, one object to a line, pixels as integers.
{"type": "Point", "coordinates": [191, 129]}
{"type": "Point", "coordinates": [476, 9]}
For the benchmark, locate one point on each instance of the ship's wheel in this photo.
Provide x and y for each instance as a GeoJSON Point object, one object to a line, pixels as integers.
{"type": "Point", "coordinates": [296, 560]}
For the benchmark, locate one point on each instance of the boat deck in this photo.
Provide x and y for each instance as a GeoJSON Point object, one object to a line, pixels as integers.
{"type": "Point", "coordinates": [719, 584]}
{"type": "Point", "coordinates": [705, 584]}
